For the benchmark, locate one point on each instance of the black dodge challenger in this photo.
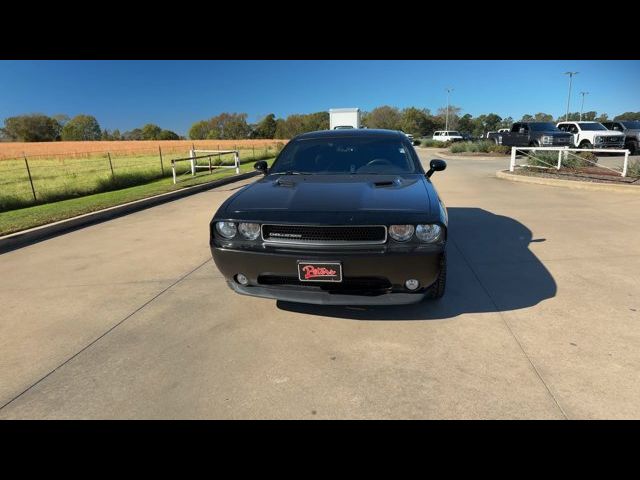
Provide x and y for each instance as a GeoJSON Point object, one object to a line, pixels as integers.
{"type": "Point", "coordinates": [342, 217]}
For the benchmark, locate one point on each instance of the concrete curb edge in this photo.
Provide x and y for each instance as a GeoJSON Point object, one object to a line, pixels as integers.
{"type": "Point", "coordinates": [603, 187]}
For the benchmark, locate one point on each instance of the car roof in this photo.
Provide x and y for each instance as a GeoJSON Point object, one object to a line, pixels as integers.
{"type": "Point", "coordinates": [352, 132]}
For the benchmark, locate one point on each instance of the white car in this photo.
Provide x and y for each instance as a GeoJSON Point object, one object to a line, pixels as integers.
{"type": "Point", "coordinates": [592, 135]}
{"type": "Point", "coordinates": [447, 136]}
{"type": "Point", "coordinates": [408, 135]}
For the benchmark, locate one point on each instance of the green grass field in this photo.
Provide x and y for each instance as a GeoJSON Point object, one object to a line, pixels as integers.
{"type": "Point", "coordinates": [24, 218]}
{"type": "Point", "coordinates": [58, 178]}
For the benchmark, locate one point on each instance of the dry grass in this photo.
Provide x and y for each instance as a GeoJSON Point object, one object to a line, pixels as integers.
{"type": "Point", "coordinates": [83, 149]}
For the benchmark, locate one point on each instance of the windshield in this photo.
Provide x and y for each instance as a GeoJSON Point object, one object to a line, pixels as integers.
{"type": "Point", "coordinates": [543, 127]}
{"type": "Point", "coordinates": [451, 134]}
{"type": "Point", "coordinates": [348, 155]}
{"type": "Point", "coordinates": [592, 126]}
{"type": "Point", "coordinates": [635, 125]}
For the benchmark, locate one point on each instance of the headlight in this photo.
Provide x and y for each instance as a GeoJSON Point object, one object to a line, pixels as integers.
{"type": "Point", "coordinates": [598, 139]}
{"type": "Point", "coordinates": [428, 233]}
{"type": "Point", "coordinates": [547, 139]}
{"type": "Point", "coordinates": [250, 231]}
{"type": "Point", "coordinates": [401, 233]}
{"type": "Point", "coordinates": [226, 229]}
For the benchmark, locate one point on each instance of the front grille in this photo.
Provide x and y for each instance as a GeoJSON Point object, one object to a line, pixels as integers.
{"type": "Point", "coordinates": [324, 235]}
{"type": "Point", "coordinates": [613, 140]}
{"type": "Point", "coordinates": [360, 284]}
{"type": "Point", "coordinates": [561, 140]}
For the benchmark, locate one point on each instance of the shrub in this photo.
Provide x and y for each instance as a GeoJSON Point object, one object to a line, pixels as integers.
{"type": "Point", "coordinates": [572, 161]}
{"type": "Point", "coordinates": [481, 147]}
{"type": "Point", "coordinates": [542, 159]}
{"type": "Point", "coordinates": [633, 169]}
{"type": "Point", "coordinates": [502, 149]}
{"type": "Point", "coordinates": [458, 148]}
{"type": "Point", "coordinates": [429, 142]}
{"type": "Point", "coordinates": [579, 160]}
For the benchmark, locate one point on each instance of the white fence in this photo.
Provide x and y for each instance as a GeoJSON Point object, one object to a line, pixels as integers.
{"type": "Point", "coordinates": [208, 154]}
{"type": "Point", "coordinates": [563, 154]}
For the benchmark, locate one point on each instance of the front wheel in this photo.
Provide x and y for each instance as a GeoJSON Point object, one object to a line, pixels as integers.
{"type": "Point", "coordinates": [437, 289]}
{"type": "Point", "coordinates": [632, 147]}
{"type": "Point", "coordinates": [586, 144]}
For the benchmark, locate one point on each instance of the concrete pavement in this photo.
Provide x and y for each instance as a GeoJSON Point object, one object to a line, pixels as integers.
{"type": "Point", "coordinates": [130, 319]}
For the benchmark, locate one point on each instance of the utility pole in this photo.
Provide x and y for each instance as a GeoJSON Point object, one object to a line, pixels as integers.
{"type": "Point", "coordinates": [571, 74]}
{"type": "Point", "coordinates": [582, 106]}
{"type": "Point", "coordinates": [446, 124]}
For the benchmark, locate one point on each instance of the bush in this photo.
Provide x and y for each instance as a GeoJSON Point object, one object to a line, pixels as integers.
{"type": "Point", "coordinates": [633, 169]}
{"type": "Point", "coordinates": [580, 160]}
{"type": "Point", "coordinates": [573, 161]}
{"type": "Point", "coordinates": [502, 149]}
{"type": "Point", "coordinates": [478, 147]}
{"type": "Point", "coordinates": [429, 142]}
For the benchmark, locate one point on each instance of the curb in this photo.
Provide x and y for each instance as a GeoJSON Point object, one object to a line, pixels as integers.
{"type": "Point", "coordinates": [37, 234]}
{"type": "Point", "coordinates": [574, 184]}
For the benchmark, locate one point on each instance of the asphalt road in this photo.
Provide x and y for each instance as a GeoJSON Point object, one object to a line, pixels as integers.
{"type": "Point", "coordinates": [130, 319]}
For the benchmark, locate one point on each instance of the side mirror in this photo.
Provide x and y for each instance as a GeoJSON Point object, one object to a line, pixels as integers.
{"type": "Point", "coordinates": [261, 166]}
{"type": "Point", "coordinates": [436, 165]}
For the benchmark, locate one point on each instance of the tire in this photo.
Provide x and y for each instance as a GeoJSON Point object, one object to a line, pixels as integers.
{"type": "Point", "coordinates": [586, 144]}
{"type": "Point", "coordinates": [633, 147]}
{"type": "Point", "coordinates": [438, 288]}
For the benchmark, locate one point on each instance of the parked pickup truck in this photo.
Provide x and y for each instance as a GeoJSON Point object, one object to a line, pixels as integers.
{"type": "Point", "coordinates": [592, 135]}
{"type": "Point", "coordinates": [532, 134]}
{"type": "Point", "coordinates": [631, 131]}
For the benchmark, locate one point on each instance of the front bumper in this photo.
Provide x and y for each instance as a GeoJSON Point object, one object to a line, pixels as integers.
{"type": "Point", "coordinates": [389, 270]}
{"type": "Point", "coordinates": [604, 146]}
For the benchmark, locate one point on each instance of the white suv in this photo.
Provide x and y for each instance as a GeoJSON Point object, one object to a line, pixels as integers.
{"type": "Point", "coordinates": [592, 135]}
{"type": "Point", "coordinates": [447, 136]}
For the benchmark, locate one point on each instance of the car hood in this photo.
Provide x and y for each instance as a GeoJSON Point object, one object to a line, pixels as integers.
{"type": "Point", "coordinates": [610, 133]}
{"type": "Point", "coordinates": [343, 198]}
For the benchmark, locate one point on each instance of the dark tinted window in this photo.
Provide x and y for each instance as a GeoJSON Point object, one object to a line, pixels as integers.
{"type": "Point", "coordinates": [348, 155]}
{"type": "Point", "coordinates": [590, 127]}
{"type": "Point", "coordinates": [633, 125]}
{"type": "Point", "coordinates": [543, 127]}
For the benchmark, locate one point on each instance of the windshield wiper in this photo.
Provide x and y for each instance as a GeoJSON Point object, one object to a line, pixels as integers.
{"type": "Point", "coordinates": [291, 172]}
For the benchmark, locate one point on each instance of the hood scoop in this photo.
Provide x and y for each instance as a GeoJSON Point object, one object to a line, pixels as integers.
{"type": "Point", "coordinates": [284, 182]}
{"type": "Point", "coordinates": [387, 183]}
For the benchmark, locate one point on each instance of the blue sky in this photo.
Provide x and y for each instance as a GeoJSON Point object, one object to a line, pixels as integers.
{"type": "Point", "coordinates": [174, 94]}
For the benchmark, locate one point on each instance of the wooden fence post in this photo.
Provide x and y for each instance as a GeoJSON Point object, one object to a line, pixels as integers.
{"type": "Point", "coordinates": [33, 190]}
{"type": "Point", "coordinates": [113, 175]}
{"type": "Point", "coordinates": [161, 165]}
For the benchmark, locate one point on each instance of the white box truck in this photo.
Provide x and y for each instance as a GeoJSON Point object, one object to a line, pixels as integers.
{"type": "Point", "coordinates": [344, 118]}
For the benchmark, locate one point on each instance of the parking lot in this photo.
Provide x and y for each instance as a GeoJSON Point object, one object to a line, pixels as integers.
{"type": "Point", "coordinates": [130, 319]}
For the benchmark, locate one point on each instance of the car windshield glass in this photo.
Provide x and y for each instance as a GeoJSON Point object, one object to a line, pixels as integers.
{"type": "Point", "coordinates": [451, 134]}
{"type": "Point", "coordinates": [635, 125]}
{"type": "Point", "coordinates": [592, 126]}
{"type": "Point", "coordinates": [348, 155]}
{"type": "Point", "coordinates": [543, 127]}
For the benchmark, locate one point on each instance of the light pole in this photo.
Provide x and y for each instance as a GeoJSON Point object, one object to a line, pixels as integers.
{"type": "Point", "coordinates": [446, 123]}
{"type": "Point", "coordinates": [571, 74]}
{"type": "Point", "coordinates": [582, 106]}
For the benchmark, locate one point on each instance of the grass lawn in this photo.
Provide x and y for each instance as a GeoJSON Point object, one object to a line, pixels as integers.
{"type": "Point", "coordinates": [68, 177]}
{"type": "Point", "coordinates": [24, 218]}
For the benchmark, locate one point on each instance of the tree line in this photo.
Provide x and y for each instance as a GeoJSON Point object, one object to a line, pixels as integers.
{"type": "Point", "coordinates": [420, 122]}
{"type": "Point", "coordinates": [37, 127]}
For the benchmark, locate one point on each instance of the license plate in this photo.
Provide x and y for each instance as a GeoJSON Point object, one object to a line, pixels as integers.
{"type": "Point", "coordinates": [319, 271]}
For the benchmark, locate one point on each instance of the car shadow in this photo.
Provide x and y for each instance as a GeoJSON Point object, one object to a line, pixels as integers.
{"type": "Point", "coordinates": [490, 269]}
